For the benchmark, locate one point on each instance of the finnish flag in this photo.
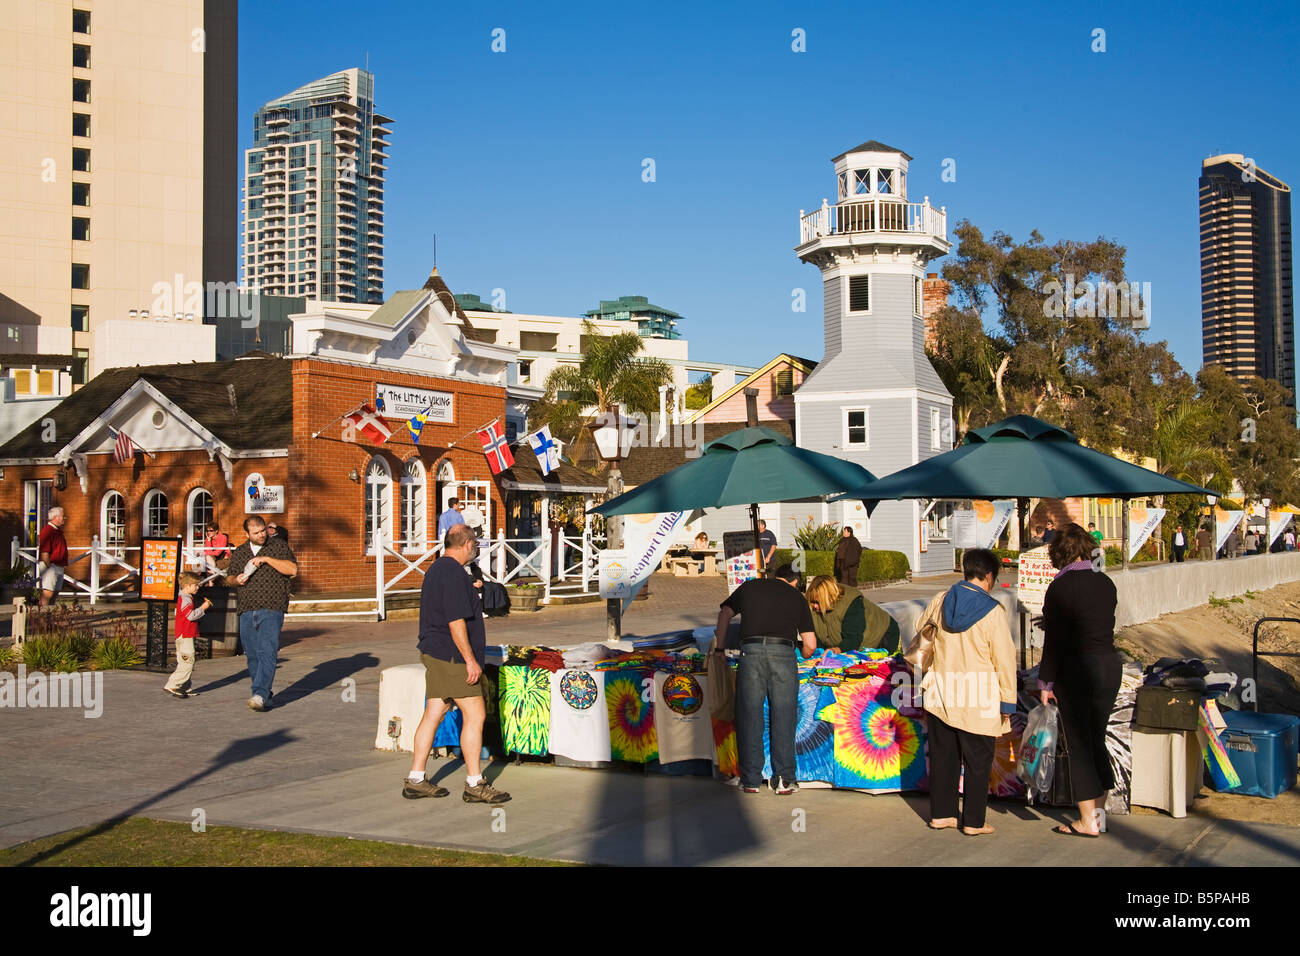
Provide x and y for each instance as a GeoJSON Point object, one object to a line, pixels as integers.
{"type": "Point", "coordinates": [548, 453]}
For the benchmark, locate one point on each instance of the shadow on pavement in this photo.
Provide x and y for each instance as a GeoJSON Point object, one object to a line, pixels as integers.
{"type": "Point", "coordinates": [325, 675]}
{"type": "Point", "coordinates": [237, 752]}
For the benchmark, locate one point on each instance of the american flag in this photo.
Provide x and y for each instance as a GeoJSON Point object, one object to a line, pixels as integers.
{"type": "Point", "coordinates": [496, 448]}
{"type": "Point", "coordinates": [123, 450]}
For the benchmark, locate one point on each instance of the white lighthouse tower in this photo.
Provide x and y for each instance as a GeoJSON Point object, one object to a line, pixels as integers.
{"type": "Point", "coordinates": [874, 398]}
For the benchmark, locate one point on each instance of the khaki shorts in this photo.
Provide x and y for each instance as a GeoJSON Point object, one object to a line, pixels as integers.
{"type": "Point", "coordinates": [52, 578]}
{"type": "Point", "coordinates": [446, 680]}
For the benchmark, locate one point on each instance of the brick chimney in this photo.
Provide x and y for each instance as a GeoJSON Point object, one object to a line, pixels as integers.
{"type": "Point", "coordinates": [934, 296]}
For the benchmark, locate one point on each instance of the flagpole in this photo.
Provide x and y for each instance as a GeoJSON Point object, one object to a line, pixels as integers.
{"type": "Point", "coordinates": [317, 434]}
{"type": "Point", "coordinates": [134, 443]}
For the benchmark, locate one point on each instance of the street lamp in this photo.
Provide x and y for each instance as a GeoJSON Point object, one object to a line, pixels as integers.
{"type": "Point", "coordinates": [612, 433]}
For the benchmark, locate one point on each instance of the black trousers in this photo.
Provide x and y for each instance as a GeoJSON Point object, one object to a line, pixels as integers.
{"type": "Point", "coordinates": [950, 749]}
{"type": "Point", "coordinates": [1179, 551]}
{"type": "Point", "coordinates": [1085, 691]}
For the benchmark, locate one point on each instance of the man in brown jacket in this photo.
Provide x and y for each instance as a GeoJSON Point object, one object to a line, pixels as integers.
{"type": "Point", "coordinates": [847, 557]}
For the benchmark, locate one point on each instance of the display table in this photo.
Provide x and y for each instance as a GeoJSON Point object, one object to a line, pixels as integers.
{"type": "Point", "coordinates": [1166, 769]}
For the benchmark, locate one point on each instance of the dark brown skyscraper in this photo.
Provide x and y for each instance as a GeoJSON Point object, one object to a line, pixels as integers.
{"type": "Point", "coordinates": [1247, 322]}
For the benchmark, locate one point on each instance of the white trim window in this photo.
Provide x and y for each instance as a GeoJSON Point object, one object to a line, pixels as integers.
{"type": "Point", "coordinates": [198, 515]}
{"type": "Point", "coordinates": [112, 524]}
{"type": "Point", "coordinates": [378, 503]}
{"type": "Point", "coordinates": [857, 428]}
{"type": "Point", "coordinates": [938, 520]}
{"type": "Point", "coordinates": [936, 437]}
{"type": "Point", "coordinates": [413, 497]}
{"type": "Point", "coordinates": [156, 515]}
{"type": "Point", "coordinates": [885, 182]}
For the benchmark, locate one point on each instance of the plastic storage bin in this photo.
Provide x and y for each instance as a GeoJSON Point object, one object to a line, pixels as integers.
{"type": "Point", "coordinates": [1263, 750]}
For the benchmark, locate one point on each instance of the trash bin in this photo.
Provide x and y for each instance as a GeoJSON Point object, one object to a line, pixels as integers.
{"type": "Point", "coordinates": [1263, 751]}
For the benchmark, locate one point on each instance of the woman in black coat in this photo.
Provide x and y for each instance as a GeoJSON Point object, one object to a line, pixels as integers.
{"type": "Point", "coordinates": [847, 556]}
{"type": "Point", "coordinates": [1080, 669]}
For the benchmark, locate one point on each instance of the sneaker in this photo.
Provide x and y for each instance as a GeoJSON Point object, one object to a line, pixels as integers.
{"type": "Point", "coordinates": [256, 703]}
{"type": "Point", "coordinates": [485, 793]}
{"type": "Point", "coordinates": [175, 693]}
{"type": "Point", "coordinates": [424, 788]}
{"type": "Point", "coordinates": [782, 788]}
{"type": "Point", "coordinates": [746, 788]}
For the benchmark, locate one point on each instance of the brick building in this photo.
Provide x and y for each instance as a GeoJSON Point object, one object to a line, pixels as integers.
{"type": "Point", "coordinates": [206, 434]}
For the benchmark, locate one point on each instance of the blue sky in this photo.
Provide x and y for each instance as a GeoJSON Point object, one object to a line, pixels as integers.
{"type": "Point", "coordinates": [528, 163]}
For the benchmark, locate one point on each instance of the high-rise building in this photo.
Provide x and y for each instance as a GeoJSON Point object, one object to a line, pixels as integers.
{"type": "Point", "coordinates": [118, 178]}
{"type": "Point", "coordinates": [314, 192]}
{"type": "Point", "coordinates": [652, 321]}
{"type": "Point", "coordinates": [1247, 322]}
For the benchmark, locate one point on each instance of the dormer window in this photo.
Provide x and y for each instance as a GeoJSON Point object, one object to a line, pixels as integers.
{"type": "Point", "coordinates": [861, 182]}
{"type": "Point", "coordinates": [884, 181]}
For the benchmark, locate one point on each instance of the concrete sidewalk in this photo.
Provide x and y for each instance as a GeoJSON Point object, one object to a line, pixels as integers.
{"type": "Point", "coordinates": [307, 765]}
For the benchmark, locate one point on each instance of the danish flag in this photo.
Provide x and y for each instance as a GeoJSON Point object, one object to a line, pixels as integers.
{"type": "Point", "coordinates": [496, 449]}
{"type": "Point", "coordinates": [367, 423]}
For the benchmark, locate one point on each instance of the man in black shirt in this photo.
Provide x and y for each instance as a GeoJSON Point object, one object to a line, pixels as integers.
{"type": "Point", "coordinates": [773, 618]}
{"type": "Point", "coordinates": [263, 567]}
{"type": "Point", "coordinates": [766, 545]}
{"type": "Point", "coordinates": [452, 644]}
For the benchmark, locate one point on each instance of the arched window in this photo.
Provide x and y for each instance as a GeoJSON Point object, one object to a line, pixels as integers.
{"type": "Point", "coordinates": [379, 503]}
{"type": "Point", "coordinates": [112, 524]}
{"type": "Point", "coordinates": [413, 499]}
{"type": "Point", "coordinates": [155, 514]}
{"type": "Point", "coordinates": [198, 517]}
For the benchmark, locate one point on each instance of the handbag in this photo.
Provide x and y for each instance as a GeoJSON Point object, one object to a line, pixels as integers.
{"type": "Point", "coordinates": [1061, 793]}
{"type": "Point", "coordinates": [721, 680]}
{"type": "Point", "coordinates": [920, 657]}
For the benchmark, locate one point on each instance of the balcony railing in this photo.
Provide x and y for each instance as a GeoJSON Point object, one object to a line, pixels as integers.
{"type": "Point", "coordinates": [873, 216]}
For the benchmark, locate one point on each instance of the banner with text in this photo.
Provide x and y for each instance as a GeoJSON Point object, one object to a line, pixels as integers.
{"type": "Point", "coordinates": [1277, 522]}
{"type": "Point", "coordinates": [991, 519]}
{"type": "Point", "coordinates": [645, 539]}
{"type": "Point", "coordinates": [1225, 522]}
{"type": "Point", "coordinates": [1141, 523]}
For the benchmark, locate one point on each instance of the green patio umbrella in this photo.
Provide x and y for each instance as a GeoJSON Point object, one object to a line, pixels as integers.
{"type": "Point", "coordinates": [1022, 457]}
{"type": "Point", "coordinates": [743, 467]}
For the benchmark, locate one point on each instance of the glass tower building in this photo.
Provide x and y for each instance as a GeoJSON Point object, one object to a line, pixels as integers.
{"type": "Point", "coordinates": [314, 192]}
{"type": "Point", "coordinates": [1247, 318]}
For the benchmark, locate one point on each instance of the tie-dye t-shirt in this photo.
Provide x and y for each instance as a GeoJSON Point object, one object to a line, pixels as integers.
{"type": "Point", "coordinates": [876, 747]}
{"type": "Point", "coordinates": [525, 710]}
{"type": "Point", "coordinates": [631, 715]}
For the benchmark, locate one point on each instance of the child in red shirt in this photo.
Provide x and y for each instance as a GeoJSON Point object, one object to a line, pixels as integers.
{"type": "Point", "coordinates": [187, 629]}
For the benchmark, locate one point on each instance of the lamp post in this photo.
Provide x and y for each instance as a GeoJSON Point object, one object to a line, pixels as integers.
{"type": "Point", "coordinates": [612, 433]}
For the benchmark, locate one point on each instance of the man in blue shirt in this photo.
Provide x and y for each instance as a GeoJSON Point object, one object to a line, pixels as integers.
{"type": "Point", "coordinates": [449, 518]}
{"type": "Point", "coordinates": [452, 644]}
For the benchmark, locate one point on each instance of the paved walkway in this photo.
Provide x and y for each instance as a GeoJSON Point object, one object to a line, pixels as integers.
{"type": "Point", "coordinates": [307, 765]}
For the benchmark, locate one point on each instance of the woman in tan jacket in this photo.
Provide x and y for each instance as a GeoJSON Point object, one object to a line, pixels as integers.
{"type": "Point", "coordinates": [968, 687]}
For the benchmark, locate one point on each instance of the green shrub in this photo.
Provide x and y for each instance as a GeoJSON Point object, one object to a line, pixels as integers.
{"type": "Point", "coordinates": [882, 566]}
{"type": "Point", "coordinates": [813, 562]}
{"type": "Point", "coordinates": [81, 646]}
{"type": "Point", "coordinates": [1114, 556]}
{"type": "Point", "coordinates": [67, 663]}
{"type": "Point", "coordinates": [115, 653]}
{"type": "Point", "coordinates": [8, 656]}
{"type": "Point", "coordinates": [45, 653]}
{"type": "Point", "coordinates": [811, 537]}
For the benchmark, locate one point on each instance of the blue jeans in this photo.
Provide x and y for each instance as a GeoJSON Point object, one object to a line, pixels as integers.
{"type": "Point", "coordinates": [767, 671]}
{"type": "Point", "coordinates": [259, 632]}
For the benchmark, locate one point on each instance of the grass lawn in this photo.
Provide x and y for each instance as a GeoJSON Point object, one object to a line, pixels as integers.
{"type": "Point", "coordinates": [142, 842]}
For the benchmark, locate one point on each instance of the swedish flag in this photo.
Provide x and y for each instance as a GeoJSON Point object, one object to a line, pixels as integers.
{"type": "Point", "coordinates": [416, 425]}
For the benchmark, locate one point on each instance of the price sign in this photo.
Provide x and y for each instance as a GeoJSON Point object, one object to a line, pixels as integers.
{"type": "Point", "coordinates": [160, 563]}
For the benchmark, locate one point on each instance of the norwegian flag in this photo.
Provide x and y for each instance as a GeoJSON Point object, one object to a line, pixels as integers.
{"type": "Point", "coordinates": [496, 449]}
{"type": "Point", "coordinates": [368, 424]}
{"type": "Point", "coordinates": [123, 449]}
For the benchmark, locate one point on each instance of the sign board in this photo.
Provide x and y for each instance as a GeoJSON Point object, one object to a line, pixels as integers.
{"type": "Point", "coordinates": [1035, 574]}
{"type": "Point", "coordinates": [741, 558]}
{"type": "Point", "coordinates": [1225, 522]}
{"type": "Point", "coordinates": [646, 538]}
{"type": "Point", "coordinates": [261, 498]}
{"type": "Point", "coordinates": [397, 401]}
{"type": "Point", "coordinates": [991, 519]}
{"type": "Point", "coordinates": [160, 563]}
{"type": "Point", "coordinates": [961, 529]}
{"type": "Point", "coordinates": [615, 575]}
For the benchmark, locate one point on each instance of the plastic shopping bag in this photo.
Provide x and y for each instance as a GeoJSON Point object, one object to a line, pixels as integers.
{"type": "Point", "coordinates": [1036, 762]}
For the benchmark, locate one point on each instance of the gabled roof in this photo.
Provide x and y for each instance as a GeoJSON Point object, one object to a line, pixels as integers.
{"type": "Point", "coordinates": [526, 475]}
{"type": "Point", "coordinates": [803, 364]}
{"type": "Point", "coordinates": [246, 403]}
{"type": "Point", "coordinates": [643, 464]}
{"type": "Point", "coordinates": [397, 308]}
{"type": "Point", "coordinates": [870, 146]}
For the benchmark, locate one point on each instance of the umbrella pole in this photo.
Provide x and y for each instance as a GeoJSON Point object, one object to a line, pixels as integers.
{"type": "Point", "coordinates": [1123, 519]}
{"type": "Point", "coordinates": [753, 523]}
{"type": "Point", "coordinates": [1022, 529]}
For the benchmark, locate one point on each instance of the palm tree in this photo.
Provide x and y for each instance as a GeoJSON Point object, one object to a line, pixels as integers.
{"type": "Point", "coordinates": [611, 371]}
{"type": "Point", "coordinates": [1182, 450]}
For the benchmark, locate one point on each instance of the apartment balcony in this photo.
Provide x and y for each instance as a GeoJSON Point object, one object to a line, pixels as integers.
{"type": "Point", "coordinates": [278, 136]}
{"type": "Point", "coordinates": [277, 121]}
{"type": "Point", "coordinates": [891, 218]}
